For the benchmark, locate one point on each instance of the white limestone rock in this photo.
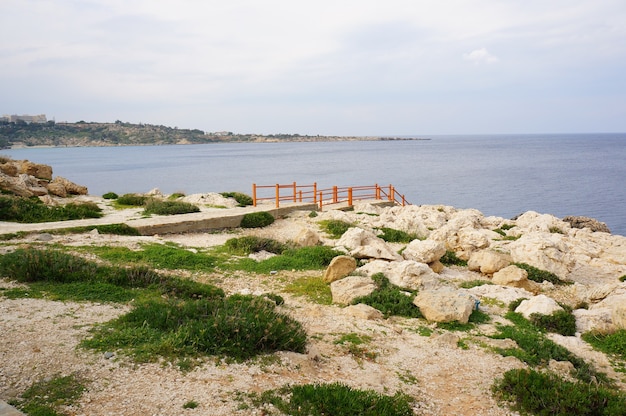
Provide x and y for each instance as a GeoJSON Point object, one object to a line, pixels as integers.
{"type": "Point", "coordinates": [445, 305]}
{"type": "Point", "coordinates": [540, 304]}
{"type": "Point", "coordinates": [339, 267]}
{"type": "Point", "coordinates": [424, 251]}
{"type": "Point", "coordinates": [345, 290]}
{"type": "Point", "coordinates": [406, 274]}
{"type": "Point", "coordinates": [488, 262]}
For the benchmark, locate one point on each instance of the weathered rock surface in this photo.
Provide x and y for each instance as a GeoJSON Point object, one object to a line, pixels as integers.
{"type": "Point", "coordinates": [24, 178]}
{"type": "Point", "coordinates": [339, 267]}
{"type": "Point", "coordinates": [345, 290]}
{"type": "Point", "coordinates": [488, 262]}
{"type": "Point", "coordinates": [445, 305]}
{"type": "Point", "coordinates": [424, 251]}
{"type": "Point", "coordinates": [363, 311]}
{"type": "Point", "coordinates": [540, 304]}
{"type": "Point", "coordinates": [364, 244]}
{"type": "Point", "coordinates": [515, 277]}
{"type": "Point", "coordinates": [586, 222]}
{"type": "Point", "coordinates": [406, 274]}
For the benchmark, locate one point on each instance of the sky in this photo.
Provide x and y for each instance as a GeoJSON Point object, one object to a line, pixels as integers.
{"type": "Point", "coordinates": [327, 67]}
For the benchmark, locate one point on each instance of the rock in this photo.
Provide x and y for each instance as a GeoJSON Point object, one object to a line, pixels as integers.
{"type": "Point", "coordinates": [406, 274]}
{"type": "Point", "coordinates": [345, 290]}
{"type": "Point", "coordinates": [62, 187]}
{"type": "Point", "coordinates": [594, 320]}
{"type": "Point", "coordinates": [363, 311]}
{"type": "Point", "coordinates": [586, 222]}
{"type": "Point", "coordinates": [424, 251]}
{"type": "Point", "coordinates": [44, 237]}
{"type": "Point", "coordinates": [211, 199]}
{"type": "Point", "coordinates": [366, 245]}
{"type": "Point", "coordinates": [37, 170]}
{"type": "Point", "coordinates": [540, 304]}
{"type": "Point", "coordinates": [448, 339]}
{"type": "Point", "coordinates": [488, 262]}
{"type": "Point", "coordinates": [618, 313]}
{"type": "Point", "coordinates": [445, 305]}
{"type": "Point", "coordinates": [562, 368]}
{"type": "Point", "coordinates": [515, 277]}
{"type": "Point", "coordinates": [339, 267]}
{"type": "Point", "coordinates": [436, 266]}
{"type": "Point", "coordinates": [261, 255]}
{"type": "Point", "coordinates": [307, 238]}
{"type": "Point", "coordinates": [504, 294]}
{"type": "Point", "coordinates": [546, 251]}
{"type": "Point", "coordinates": [532, 221]}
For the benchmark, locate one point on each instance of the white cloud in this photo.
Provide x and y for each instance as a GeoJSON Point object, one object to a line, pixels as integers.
{"type": "Point", "coordinates": [480, 56]}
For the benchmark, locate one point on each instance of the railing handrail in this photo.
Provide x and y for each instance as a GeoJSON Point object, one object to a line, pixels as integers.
{"type": "Point", "coordinates": [334, 195]}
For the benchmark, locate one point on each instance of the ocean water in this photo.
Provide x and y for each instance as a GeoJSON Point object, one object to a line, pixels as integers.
{"type": "Point", "coordinates": [502, 175]}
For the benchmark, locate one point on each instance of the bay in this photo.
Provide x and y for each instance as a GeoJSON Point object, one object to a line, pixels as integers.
{"type": "Point", "coordinates": [502, 175]}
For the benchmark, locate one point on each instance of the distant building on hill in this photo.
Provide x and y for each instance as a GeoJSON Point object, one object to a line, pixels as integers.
{"type": "Point", "coordinates": [40, 118]}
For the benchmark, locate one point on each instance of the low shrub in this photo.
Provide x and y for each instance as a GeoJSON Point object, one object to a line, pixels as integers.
{"type": "Point", "coordinates": [537, 275]}
{"type": "Point", "coordinates": [257, 220]}
{"type": "Point", "coordinates": [252, 244]}
{"type": "Point", "coordinates": [47, 396]}
{"type": "Point", "coordinates": [132, 200]}
{"type": "Point", "coordinates": [313, 288]}
{"type": "Point", "coordinates": [541, 393]}
{"type": "Point", "coordinates": [32, 210]}
{"type": "Point", "coordinates": [336, 399]}
{"type": "Point", "coordinates": [335, 228]}
{"type": "Point", "coordinates": [560, 322]}
{"type": "Point", "coordinates": [623, 278]}
{"type": "Point", "coordinates": [159, 207]}
{"type": "Point", "coordinates": [110, 195]}
{"type": "Point", "coordinates": [239, 327]}
{"type": "Point", "coordinates": [390, 299]}
{"type": "Point", "coordinates": [242, 199]}
{"type": "Point", "coordinates": [613, 344]}
{"type": "Point", "coordinates": [158, 256]}
{"type": "Point", "coordinates": [391, 235]}
{"type": "Point", "coordinates": [474, 283]}
{"type": "Point", "coordinates": [451, 259]}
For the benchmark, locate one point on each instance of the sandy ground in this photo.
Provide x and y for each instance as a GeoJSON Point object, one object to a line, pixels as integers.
{"type": "Point", "coordinates": [40, 337]}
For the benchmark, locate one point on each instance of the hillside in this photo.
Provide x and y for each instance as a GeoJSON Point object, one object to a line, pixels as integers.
{"type": "Point", "coordinates": [127, 134]}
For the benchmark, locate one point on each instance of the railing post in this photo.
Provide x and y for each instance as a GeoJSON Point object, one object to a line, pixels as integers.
{"type": "Point", "coordinates": [321, 200]}
{"type": "Point", "coordinates": [391, 193]}
{"type": "Point", "coordinates": [377, 191]}
{"type": "Point", "coordinates": [350, 196]}
{"type": "Point", "coordinates": [300, 196]}
{"type": "Point", "coordinates": [277, 195]}
{"type": "Point", "coordinates": [294, 192]}
{"type": "Point", "coordinates": [335, 199]}
{"type": "Point", "coordinates": [254, 194]}
{"type": "Point", "coordinates": [315, 193]}
{"type": "Point", "coordinates": [403, 201]}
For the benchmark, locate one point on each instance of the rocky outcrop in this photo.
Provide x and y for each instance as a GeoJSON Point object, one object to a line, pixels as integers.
{"type": "Point", "coordinates": [515, 277]}
{"type": "Point", "coordinates": [586, 222]}
{"type": "Point", "coordinates": [26, 179]}
{"type": "Point", "coordinates": [339, 267]}
{"type": "Point", "coordinates": [540, 304]}
{"type": "Point", "coordinates": [345, 290]}
{"type": "Point", "coordinates": [424, 251]}
{"type": "Point", "coordinates": [406, 274]}
{"type": "Point", "coordinates": [364, 244]}
{"type": "Point", "coordinates": [445, 305]}
{"type": "Point", "coordinates": [488, 262]}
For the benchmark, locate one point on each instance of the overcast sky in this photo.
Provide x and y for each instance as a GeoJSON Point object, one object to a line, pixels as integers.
{"type": "Point", "coordinates": [345, 67]}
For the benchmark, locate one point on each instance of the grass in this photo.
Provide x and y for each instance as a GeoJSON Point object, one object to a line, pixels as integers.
{"type": "Point", "coordinates": [158, 207]}
{"type": "Point", "coordinates": [335, 399]}
{"type": "Point", "coordinates": [44, 398]}
{"type": "Point", "coordinates": [613, 345]}
{"type": "Point", "coordinates": [390, 299]}
{"type": "Point", "coordinates": [303, 258]}
{"type": "Point", "coordinates": [474, 283]}
{"type": "Point", "coordinates": [252, 244]}
{"type": "Point", "coordinates": [535, 349]}
{"type": "Point", "coordinates": [257, 220]}
{"type": "Point", "coordinates": [538, 393]}
{"type": "Point", "coordinates": [537, 275]}
{"type": "Point", "coordinates": [476, 317]}
{"type": "Point", "coordinates": [357, 346]}
{"type": "Point", "coordinates": [451, 259]}
{"type": "Point", "coordinates": [335, 228]}
{"type": "Point", "coordinates": [560, 322]}
{"type": "Point", "coordinates": [114, 229]}
{"type": "Point", "coordinates": [237, 327]}
{"type": "Point", "coordinates": [131, 200]}
{"type": "Point", "coordinates": [32, 210]}
{"type": "Point", "coordinates": [391, 235]}
{"type": "Point", "coordinates": [242, 199]}
{"type": "Point", "coordinates": [313, 288]}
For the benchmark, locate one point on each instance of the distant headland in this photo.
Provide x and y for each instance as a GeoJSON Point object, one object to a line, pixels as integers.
{"type": "Point", "coordinates": [26, 131]}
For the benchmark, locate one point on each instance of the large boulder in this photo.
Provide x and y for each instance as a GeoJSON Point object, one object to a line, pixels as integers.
{"type": "Point", "coordinates": [345, 290]}
{"type": "Point", "coordinates": [424, 251]}
{"type": "Point", "coordinates": [488, 262]}
{"type": "Point", "coordinates": [406, 274]}
{"type": "Point", "coordinates": [546, 251]}
{"type": "Point", "coordinates": [532, 221]}
{"type": "Point", "coordinates": [504, 294]}
{"type": "Point", "coordinates": [598, 319]}
{"type": "Point", "coordinates": [339, 267]}
{"type": "Point", "coordinates": [363, 311]}
{"type": "Point", "coordinates": [540, 304]}
{"type": "Point", "coordinates": [62, 187]}
{"type": "Point", "coordinates": [586, 222]}
{"type": "Point", "coordinates": [445, 305]}
{"type": "Point", "coordinates": [36, 170]}
{"type": "Point", "coordinates": [363, 244]}
{"type": "Point", "coordinates": [307, 238]}
{"type": "Point", "coordinates": [515, 277]}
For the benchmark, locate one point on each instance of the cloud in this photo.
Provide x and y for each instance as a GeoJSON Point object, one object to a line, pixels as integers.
{"type": "Point", "coordinates": [480, 56]}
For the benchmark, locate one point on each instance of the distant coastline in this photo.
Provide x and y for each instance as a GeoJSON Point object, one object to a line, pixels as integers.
{"type": "Point", "coordinates": [18, 135]}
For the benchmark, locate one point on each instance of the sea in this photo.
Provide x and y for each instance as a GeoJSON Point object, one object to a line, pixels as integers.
{"type": "Point", "coordinates": [500, 175]}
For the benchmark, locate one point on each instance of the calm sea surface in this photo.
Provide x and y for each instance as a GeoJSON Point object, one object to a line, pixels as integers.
{"type": "Point", "coordinates": [501, 175]}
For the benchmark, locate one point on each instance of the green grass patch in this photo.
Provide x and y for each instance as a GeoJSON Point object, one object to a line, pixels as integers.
{"type": "Point", "coordinates": [477, 317]}
{"type": "Point", "coordinates": [390, 299]}
{"type": "Point", "coordinates": [131, 200]}
{"type": "Point", "coordinates": [560, 322]}
{"type": "Point", "coordinates": [451, 259]}
{"type": "Point", "coordinates": [538, 393]}
{"type": "Point", "coordinates": [238, 327]}
{"type": "Point", "coordinates": [159, 207]}
{"type": "Point", "coordinates": [335, 399]}
{"type": "Point", "coordinates": [242, 199]}
{"type": "Point", "coordinates": [613, 344]}
{"type": "Point", "coordinates": [32, 210]}
{"type": "Point", "coordinates": [391, 235]}
{"type": "Point", "coordinates": [313, 288]}
{"type": "Point", "coordinates": [303, 258]}
{"type": "Point", "coordinates": [474, 283]}
{"type": "Point", "coordinates": [44, 398]}
{"type": "Point", "coordinates": [537, 275]}
{"type": "Point", "coordinates": [335, 228]}
{"type": "Point", "coordinates": [357, 345]}
{"type": "Point", "coordinates": [257, 220]}
{"type": "Point", "coordinates": [110, 195]}
{"type": "Point", "coordinates": [252, 244]}
{"type": "Point", "coordinates": [113, 229]}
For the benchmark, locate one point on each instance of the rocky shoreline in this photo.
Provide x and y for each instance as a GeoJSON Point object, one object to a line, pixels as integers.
{"type": "Point", "coordinates": [448, 372]}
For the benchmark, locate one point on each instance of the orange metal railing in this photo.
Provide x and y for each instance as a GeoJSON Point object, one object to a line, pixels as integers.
{"type": "Point", "coordinates": [310, 193]}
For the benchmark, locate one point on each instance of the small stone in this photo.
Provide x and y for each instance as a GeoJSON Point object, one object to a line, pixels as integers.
{"type": "Point", "coordinates": [108, 355]}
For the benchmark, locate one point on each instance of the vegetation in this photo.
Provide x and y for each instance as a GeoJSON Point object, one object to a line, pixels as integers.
{"type": "Point", "coordinates": [474, 283]}
{"type": "Point", "coordinates": [560, 322]}
{"type": "Point", "coordinates": [390, 299]}
{"type": "Point", "coordinates": [391, 235]}
{"type": "Point", "coordinates": [476, 317]}
{"type": "Point", "coordinates": [335, 228]}
{"type": "Point", "coordinates": [131, 200]}
{"type": "Point", "coordinates": [537, 275]}
{"type": "Point", "coordinates": [242, 199]}
{"type": "Point", "coordinates": [313, 288]}
{"type": "Point", "coordinates": [451, 259]}
{"type": "Point", "coordinates": [251, 244]}
{"type": "Point", "coordinates": [110, 195]}
{"type": "Point", "coordinates": [45, 397]}
{"type": "Point", "coordinates": [257, 220]}
{"type": "Point", "coordinates": [357, 346]}
{"type": "Point", "coordinates": [335, 399]}
{"type": "Point", "coordinates": [158, 207]}
{"type": "Point", "coordinates": [32, 210]}
{"type": "Point", "coordinates": [542, 393]}
{"type": "Point", "coordinates": [612, 344]}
